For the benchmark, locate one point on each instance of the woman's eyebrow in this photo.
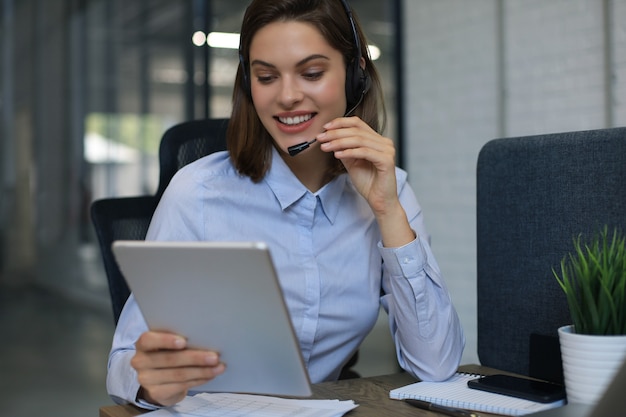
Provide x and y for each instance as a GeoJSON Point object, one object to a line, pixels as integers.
{"type": "Point", "coordinates": [298, 64]}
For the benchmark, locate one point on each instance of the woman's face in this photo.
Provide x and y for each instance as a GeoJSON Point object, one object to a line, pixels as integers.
{"type": "Point", "coordinates": [297, 81]}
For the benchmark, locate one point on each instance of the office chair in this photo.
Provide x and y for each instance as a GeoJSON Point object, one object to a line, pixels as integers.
{"type": "Point", "coordinates": [186, 142]}
{"type": "Point", "coordinates": [128, 218]}
{"type": "Point", "coordinates": [124, 218]}
{"type": "Point", "coordinates": [535, 194]}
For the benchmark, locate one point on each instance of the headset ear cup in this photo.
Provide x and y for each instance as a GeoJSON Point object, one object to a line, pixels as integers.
{"type": "Point", "coordinates": [351, 83]}
{"type": "Point", "coordinates": [364, 81]}
{"type": "Point", "coordinates": [357, 83]}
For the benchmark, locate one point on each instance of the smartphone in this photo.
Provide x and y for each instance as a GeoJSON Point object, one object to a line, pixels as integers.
{"type": "Point", "coordinates": [528, 389]}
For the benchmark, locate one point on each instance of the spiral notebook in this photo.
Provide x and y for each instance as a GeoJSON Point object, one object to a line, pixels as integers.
{"type": "Point", "coordinates": [454, 392]}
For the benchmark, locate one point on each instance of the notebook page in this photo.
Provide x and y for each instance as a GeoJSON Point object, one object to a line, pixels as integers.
{"type": "Point", "coordinates": [455, 393]}
{"type": "Point", "coordinates": [242, 405]}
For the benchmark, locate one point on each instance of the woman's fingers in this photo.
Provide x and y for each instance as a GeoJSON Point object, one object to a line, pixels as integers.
{"type": "Point", "coordinates": [167, 369]}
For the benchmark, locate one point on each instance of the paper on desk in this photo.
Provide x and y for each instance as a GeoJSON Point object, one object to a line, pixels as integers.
{"type": "Point", "coordinates": [243, 405]}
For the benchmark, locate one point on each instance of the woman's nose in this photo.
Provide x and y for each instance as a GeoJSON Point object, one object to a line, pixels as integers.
{"type": "Point", "coordinates": [290, 92]}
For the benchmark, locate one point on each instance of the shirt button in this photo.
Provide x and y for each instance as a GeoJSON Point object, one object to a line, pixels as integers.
{"type": "Point", "coordinates": [407, 260]}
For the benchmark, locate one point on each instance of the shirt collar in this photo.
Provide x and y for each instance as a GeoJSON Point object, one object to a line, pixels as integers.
{"type": "Point", "coordinates": [288, 189]}
{"type": "Point", "coordinates": [330, 196]}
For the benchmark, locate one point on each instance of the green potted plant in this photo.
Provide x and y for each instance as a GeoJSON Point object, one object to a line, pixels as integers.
{"type": "Point", "coordinates": [593, 278]}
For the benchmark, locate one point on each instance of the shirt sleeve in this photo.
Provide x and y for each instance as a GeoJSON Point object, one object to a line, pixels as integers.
{"type": "Point", "coordinates": [122, 383]}
{"type": "Point", "coordinates": [426, 329]}
{"type": "Point", "coordinates": [171, 221]}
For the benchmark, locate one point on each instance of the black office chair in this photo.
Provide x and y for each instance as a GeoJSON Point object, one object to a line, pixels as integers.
{"type": "Point", "coordinates": [125, 218]}
{"type": "Point", "coordinates": [534, 195]}
{"type": "Point", "coordinates": [129, 217]}
{"type": "Point", "coordinates": [186, 142]}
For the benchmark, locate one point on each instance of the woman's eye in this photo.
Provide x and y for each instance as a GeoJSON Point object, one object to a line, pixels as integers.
{"type": "Point", "coordinates": [312, 76]}
{"type": "Point", "coordinates": [264, 79]}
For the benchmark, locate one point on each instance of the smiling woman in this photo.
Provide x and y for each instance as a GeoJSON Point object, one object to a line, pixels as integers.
{"type": "Point", "coordinates": [344, 228]}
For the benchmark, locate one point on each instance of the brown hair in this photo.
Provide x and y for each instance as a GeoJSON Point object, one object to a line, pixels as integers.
{"type": "Point", "coordinates": [249, 143]}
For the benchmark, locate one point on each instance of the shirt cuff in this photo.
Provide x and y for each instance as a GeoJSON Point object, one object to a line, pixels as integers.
{"type": "Point", "coordinates": [404, 261]}
{"type": "Point", "coordinates": [146, 405]}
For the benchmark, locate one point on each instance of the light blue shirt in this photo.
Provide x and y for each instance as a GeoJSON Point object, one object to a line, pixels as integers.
{"type": "Point", "coordinates": [330, 261]}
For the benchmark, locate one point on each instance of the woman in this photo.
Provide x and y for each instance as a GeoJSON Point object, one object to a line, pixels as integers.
{"type": "Point", "coordinates": [344, 228]}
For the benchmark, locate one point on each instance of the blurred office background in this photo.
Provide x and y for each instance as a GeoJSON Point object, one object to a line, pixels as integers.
{"type": "Point", "coordinates": [87, 87]}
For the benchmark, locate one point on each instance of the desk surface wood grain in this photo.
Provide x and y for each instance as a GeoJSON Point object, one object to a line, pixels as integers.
{"type": "Point", "coordinates": [372, 395]}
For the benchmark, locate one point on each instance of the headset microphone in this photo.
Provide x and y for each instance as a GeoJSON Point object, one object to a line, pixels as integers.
{"type": "Point", "coordinates": [296, 149]}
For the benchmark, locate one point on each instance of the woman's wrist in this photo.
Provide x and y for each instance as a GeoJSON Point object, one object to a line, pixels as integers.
{"type": "Point", "coordinates": [395, 229]}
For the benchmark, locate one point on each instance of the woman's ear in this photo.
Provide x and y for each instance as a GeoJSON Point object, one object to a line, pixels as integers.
{"type": "Point", "coordinates": [362, 63]}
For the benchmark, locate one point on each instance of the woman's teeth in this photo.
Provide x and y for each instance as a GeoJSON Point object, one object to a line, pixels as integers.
{"type": "Point", "coordinates": [295, 120]}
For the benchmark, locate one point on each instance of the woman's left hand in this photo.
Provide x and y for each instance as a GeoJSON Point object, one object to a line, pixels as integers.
{"type": "Point", "coordinates": [369, 159]}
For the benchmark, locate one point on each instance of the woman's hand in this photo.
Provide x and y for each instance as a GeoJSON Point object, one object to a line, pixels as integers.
{"type": "Point", "coordinates": [369, 159]}
{"type": "Point", "coordinates": [167, 369]}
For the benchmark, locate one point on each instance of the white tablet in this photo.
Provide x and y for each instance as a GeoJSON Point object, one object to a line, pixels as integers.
{"type": "Point", "coordinates": [222, 296]}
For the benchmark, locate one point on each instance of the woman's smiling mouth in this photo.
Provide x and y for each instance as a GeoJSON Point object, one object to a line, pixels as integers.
{"type": "Point", "coordinates": [295, 123]}
{"type": "Point", "coordinates": [295, 120]}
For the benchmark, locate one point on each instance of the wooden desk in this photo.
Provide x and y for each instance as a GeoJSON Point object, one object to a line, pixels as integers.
{"type": "Point", "coordinates": [372, 395]}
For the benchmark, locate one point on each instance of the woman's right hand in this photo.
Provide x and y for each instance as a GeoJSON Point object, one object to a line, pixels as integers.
{"type": "Point", "coordinates": [167, 369]}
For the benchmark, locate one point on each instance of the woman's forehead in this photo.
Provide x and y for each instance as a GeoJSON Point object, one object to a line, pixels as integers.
{"type": "Point", "coordinates": [293, 38]}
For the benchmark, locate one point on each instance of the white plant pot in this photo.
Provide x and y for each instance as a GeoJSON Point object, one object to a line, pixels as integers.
{"type": "Point", "coordinates": [589, 363]}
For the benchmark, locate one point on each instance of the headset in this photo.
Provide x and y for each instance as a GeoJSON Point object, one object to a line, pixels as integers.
{"type": "Point", "coordinates": [357, 79]}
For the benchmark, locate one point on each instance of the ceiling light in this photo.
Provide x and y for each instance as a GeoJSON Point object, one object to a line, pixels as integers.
{"type": "Point", "coordinates": [198, 38]}
{"type": "Point", "coordinates": [223, 40]}
{"type": "Point", "coordinates": [374, 52]}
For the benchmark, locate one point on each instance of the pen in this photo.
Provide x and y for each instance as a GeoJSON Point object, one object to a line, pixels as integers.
{"type": "Point", "coordinates": [449, 411]}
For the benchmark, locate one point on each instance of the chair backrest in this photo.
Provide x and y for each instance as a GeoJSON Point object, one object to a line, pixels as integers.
{"type": "Point", "coordinates": [128, 218]}
{"type": "Point", "coordinates": [185, 142]}
{"type": "Point", "coordinates": [125, 218]}
{"type": "Point", "coordinates": [534, 196]}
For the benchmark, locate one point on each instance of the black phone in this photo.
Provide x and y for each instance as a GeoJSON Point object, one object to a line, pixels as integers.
{"type": "Point", "coordinates": [528, 389]}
